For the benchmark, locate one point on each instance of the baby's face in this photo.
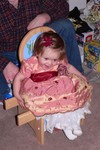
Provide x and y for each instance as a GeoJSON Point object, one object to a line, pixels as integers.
{"type": "Point", "coordinates": [48, 58]}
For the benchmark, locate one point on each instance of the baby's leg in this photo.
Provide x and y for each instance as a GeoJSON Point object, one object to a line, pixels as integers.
{"type": "Point", "coordinates": [69, 134]}
{"type": "Point", "coordinates": [77, 131]}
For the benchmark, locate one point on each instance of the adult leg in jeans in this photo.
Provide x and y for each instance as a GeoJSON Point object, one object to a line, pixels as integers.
{"type": "Point", "coordinates": [66, 30]}
{"type": "Point", "coordinates": [4, 89]}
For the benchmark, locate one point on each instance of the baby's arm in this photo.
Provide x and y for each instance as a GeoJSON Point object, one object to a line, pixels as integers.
{"type": "Point", "coordinates": [72, 69]}
{"type": "Point", "coordinates": [16, 86]}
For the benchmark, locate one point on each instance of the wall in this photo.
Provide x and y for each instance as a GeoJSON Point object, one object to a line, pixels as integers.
{"type": "Point", "coordinates": [81, 4]}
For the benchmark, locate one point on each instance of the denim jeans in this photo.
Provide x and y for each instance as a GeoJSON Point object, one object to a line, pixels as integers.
{"type": "Point", "coordinates": [66, 30]}
{"type": "Point", "coordinates": [4, 89]}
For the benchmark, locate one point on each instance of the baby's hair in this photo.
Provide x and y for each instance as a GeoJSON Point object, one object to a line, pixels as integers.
{"type": "Point", "coordinates": [52, 40]}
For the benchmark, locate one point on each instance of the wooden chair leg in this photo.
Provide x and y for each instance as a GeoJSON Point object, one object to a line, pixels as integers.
{"type": "Point", "coordinates": [37, 125]}
{"type": "Point", "coordinates": [81, 122]}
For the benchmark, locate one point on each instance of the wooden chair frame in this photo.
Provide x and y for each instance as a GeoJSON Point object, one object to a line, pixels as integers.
{"type": "Point", "coordinates": [24, 116]}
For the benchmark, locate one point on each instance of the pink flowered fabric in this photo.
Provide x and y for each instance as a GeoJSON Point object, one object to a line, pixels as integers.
{"type": "Point", "coordinates": [57, 95]}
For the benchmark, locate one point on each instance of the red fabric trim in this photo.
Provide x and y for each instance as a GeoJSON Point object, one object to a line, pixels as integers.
{"type": "Point", "coordinates": [43, 76]}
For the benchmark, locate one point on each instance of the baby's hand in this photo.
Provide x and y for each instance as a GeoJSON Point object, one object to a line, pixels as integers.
{"type": "Point", "coordinates": [21, 102]}
{"type": "Point", "coordinates": [19, 99]}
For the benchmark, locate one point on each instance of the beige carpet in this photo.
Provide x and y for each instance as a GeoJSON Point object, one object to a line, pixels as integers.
{"type": "Point", "coordinates": [92, 76]}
